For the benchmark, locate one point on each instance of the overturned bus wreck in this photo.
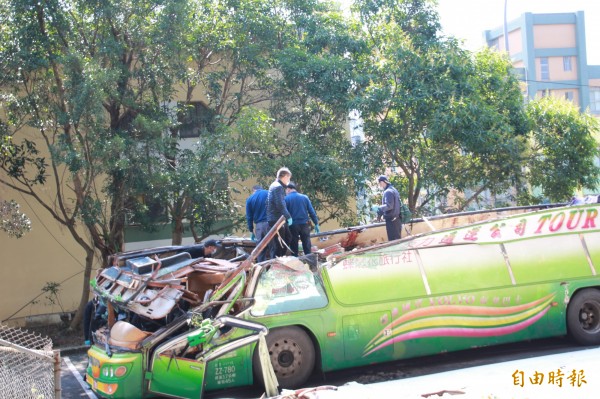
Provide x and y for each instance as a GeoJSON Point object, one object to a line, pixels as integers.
{"type": "Point", "coordinates": [179, 325]}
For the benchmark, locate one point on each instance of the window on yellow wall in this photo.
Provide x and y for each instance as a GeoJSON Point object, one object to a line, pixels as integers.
{"type": "Point", "coordinates": [544, 69]}
{"type": "Point", "coordinates": [595, 99]}
{"type": "Point", "coordinates": [193, 118]}
{"type": "Point", "coordinates": [567, 67]}
{"type": "Point", "coordinates": [569, 95]}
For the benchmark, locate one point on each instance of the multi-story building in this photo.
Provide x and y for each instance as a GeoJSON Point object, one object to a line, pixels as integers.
{"type": "Point", "coordinates": [549, 52]}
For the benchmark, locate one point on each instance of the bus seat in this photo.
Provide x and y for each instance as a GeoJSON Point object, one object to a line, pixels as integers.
{"type": "Point", "coordinates": [126, 335]}
{"type": "Point", "coordinates": [174, 259]}
{"type": "Point", "coordinates": [199, 283]}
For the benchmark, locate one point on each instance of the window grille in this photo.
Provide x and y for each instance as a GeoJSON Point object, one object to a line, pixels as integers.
{"type": "Point", "coordinates": [567, 64]}
{"type": "Point", "coordinates": [544, 69]}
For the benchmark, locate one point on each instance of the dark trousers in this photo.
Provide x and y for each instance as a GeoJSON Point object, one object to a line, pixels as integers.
{"type": "Point", "coordinates": [276, 246]}
{"type": "Point", "coordinates": [260, 231]}
{"type": "Point", "coordinates": [300, 232]}
{"type": "Point", "coordinates": [393, 226]}
{"type": "Point", "coordinates": [92, 319]}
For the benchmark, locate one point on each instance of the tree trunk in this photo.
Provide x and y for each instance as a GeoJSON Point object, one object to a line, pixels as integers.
{"type": "Point", "coordinates": [177, 237]}
{"type": "Point", "coordinates": [85, 295]}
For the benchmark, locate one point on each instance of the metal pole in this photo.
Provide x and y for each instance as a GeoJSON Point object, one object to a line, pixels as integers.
{"type": "Point", "coordinates": [247, 263]}
{"type": "Point", "coordinates": [57, 381]}
{"type": "Point", "coordinates": [505, 28]}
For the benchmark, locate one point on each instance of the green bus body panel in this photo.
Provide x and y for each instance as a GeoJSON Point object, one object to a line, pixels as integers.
{"type": "Point", "coordinates": [553, 258]}
{"type": "Point", "coordinates": [459, 269]}
{"type": "Point", "coordinates": [379, 276]}
{"type": "Point", "coordinates": [185, 377]}
{"type": "Point", "coordinates": [232, 370]}
{"type": "Point", "coordinates": [177, 376]}
{"type": "Point", "coordinates": [129, 385]}
{"type": "Point", "coordinates": [358, 329]}
{"type": "Point", "coordinates": [592, 241]}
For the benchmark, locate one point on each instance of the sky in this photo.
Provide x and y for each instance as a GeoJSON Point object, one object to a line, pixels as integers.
{"type": "Point", "coordinates": [467, 19]}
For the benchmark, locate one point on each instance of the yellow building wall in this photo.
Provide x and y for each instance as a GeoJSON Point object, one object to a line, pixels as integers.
{"type": "Point", "coordinates": [556, 69]}
{"type": "Point", "coordinates": [515, 43]}
{"type": "Point", "coordinates": [46, 254]}
{"type": "Point", "coordinates": [554, 36]}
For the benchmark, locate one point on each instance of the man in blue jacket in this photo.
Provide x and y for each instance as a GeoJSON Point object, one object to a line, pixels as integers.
{"type": "Point", "coordinates": [256, 216]}
{"type": "Point", "coordinates": [390, 208]}
{"type": "Point", "coordinates": [276, 208]}
{"type": "Point", "coordinates": [300, 208]}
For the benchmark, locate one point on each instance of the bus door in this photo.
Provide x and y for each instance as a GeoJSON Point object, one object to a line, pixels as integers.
{"type": "Point", "coordinates": [178, 367]}
{"type": "Point", "coordinates": [175, 370]}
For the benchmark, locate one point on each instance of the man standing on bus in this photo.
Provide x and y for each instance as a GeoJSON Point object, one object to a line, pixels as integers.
{"type": "Point", "coordinates": [256, 216]}
{"type": "Point", "coordinates": [276, 208]}
{"type": "Point", "coordinates": [301, 209]}
{"type": "Point", "coordinates": [390, 208]}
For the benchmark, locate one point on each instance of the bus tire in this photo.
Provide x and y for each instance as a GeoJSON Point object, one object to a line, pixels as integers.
{"type": "Point", "coordinates": [292, 355]}
{"type": "Point", "coordinates": [583, 317]}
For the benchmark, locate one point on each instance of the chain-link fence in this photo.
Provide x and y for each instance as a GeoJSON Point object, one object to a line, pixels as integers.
{"type": "Point", "coordinates": [27, 365]}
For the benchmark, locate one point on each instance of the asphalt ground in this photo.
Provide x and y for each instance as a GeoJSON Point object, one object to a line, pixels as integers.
{"type": "Point", "coordinates": [73, 364]}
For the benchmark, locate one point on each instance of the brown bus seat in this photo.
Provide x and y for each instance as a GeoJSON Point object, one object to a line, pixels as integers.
{"type": "Point", "coordinates": [200, 282]}
{"type": "Point", "coordinates": [126, 335]}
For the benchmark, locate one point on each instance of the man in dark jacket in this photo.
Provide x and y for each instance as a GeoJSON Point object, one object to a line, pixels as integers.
{"type": "Point", "coordinates": [300, 208]}
{"type": "Point", "coordinates": [390, 208]}
{"type": "Point", "coordinates": [276, 208]}
{"type": "Point", "coordinates": [256, 216]}
{"type": "Point", "coordinates": [205, 250]}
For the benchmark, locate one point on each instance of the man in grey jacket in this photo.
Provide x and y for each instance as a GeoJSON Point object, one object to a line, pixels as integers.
{"type": "Point", "coordinates": [390, 208]}
{"type": "Point", "coordinates": [276, 207]}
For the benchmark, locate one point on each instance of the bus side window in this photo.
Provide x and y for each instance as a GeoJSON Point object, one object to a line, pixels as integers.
{"type": "Point", "coordinates": [465, 268]}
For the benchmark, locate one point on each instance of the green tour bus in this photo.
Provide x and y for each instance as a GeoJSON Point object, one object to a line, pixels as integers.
{"type": "Point", "coordinates": [180, 326]}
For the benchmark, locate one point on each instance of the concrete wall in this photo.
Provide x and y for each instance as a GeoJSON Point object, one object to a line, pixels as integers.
{"type": "Point", "coordinates": [47, 254]}
{"type": "Point", "coordinates": [554, 36]}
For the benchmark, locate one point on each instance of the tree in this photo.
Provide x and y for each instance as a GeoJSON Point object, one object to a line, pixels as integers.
{"type": "Point", "coordinates": [563, 150]}
{"type": "Point", "coordinates": [256, 66]}
{"type": "Point", "coordinates": [434, 113]}
{"type": "Point", "coordinates": [223, 61]}
{"type": "Point", "coordinates": [87, 79]}
{"type": "Point", "coordinates": [13, 222]}
{"type": "Point", "coordinates": [311, 99]}
{"type": "Point", "coordinates": [93, 83]}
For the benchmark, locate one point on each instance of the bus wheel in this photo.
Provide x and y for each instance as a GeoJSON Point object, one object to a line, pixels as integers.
{"type": "Point", "coordinates": [292, 356]}
{"type": "Point", "coordinates": [583, 317]}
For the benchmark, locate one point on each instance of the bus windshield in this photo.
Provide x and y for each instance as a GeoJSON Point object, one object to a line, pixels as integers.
{"type": "Point", "coordinates": [288, 285]}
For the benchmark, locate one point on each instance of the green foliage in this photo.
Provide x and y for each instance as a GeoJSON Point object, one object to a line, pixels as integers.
{"type": "Point", "coordinates": [313, 102]}
{"type": "Point", "coordinates": [445, 119]}
{"type": "Point", "coordinates": [22, 161]}
{"type": "Point", "coordinates": [12, 221]}
{"type": "Point", "coordinates": [52, 294]}
{"type": "Point", "coordinates": [563, 149]}
{"type": "Point", "coordinates": [90, 78]}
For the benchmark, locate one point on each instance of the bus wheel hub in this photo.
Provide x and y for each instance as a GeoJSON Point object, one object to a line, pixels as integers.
{"type": "Point", "coordinates": [285, 358]}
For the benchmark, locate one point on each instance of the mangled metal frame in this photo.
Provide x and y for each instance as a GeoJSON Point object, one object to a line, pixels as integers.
{"type": "Point", "coordinates": [155, 286]}
{"type": "Point", "coordinates": [147, 285]}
